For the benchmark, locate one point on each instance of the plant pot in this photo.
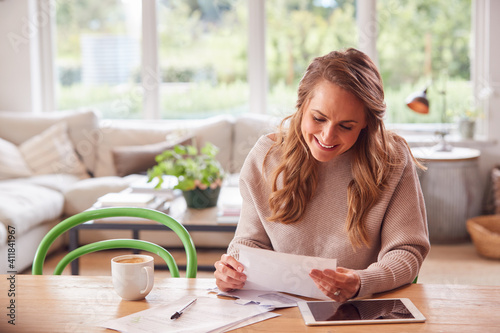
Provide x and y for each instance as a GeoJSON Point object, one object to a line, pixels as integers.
{"type": "Point", "coordinates": [199, 198]}
{"type": "Point", "coordinates": [466, 128]}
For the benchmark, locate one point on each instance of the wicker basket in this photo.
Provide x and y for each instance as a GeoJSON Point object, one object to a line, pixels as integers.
{"type": "Point", "coordinates": [485, 233]}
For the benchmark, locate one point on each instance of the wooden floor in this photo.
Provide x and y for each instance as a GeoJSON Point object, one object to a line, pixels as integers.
{"type": "Point", "coordinates": [445, 264]}
{"type": "Point", "coordinates": [459, 264]}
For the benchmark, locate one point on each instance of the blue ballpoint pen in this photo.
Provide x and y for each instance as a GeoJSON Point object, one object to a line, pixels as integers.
{"type": "Point", "coordinates": [177, 314]}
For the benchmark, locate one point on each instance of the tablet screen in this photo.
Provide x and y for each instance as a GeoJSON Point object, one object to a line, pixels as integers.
{"type": "Point", "coordinates": [355, 310]}
{"type": "Point", "coordinates": [359, 311]}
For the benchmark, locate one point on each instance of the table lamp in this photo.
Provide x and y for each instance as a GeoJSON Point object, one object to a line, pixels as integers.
{"type": "Point", "coordinates": [418, 102]}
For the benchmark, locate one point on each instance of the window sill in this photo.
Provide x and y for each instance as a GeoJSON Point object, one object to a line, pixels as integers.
{"type": "Point", "coordinates": [418, 135]}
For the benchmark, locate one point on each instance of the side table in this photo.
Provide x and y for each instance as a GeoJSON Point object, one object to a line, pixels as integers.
{"type": "Point", "coordinates": [451, 189]}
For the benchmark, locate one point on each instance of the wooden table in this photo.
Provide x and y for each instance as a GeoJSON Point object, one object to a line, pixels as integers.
{"type": "Point", "coordinates": [47, 303]}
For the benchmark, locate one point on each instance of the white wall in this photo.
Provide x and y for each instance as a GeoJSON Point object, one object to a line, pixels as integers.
{"type": "Point", "coordinates": [19, 75]}
{"type": "Point", "coordinates": [490, 153]}
{"type": "Point", "coordinates": [494, 71]}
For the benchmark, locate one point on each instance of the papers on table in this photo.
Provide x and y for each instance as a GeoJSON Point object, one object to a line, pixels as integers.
{"type": "Point", "coordinates": [166, 191]}
{"type": "Point", "coordinates": [141, 185]}
{"type": "Point", "coordinates": [207, 314]}
{"type": "Point", "coordinates": [230, 201]}
{"type": "Point", "coordinates": [267, 273]}
{"type": "Point", "coordinates": [269, 270]}
{"type": "Point", "coordinates": [131, 199]}
{"type": "Point", "coordinates": [243, 323]}
{"type": "Point", "coordinates": [126, 199]}
{"type": "Point", "coordinates": [269, 299]}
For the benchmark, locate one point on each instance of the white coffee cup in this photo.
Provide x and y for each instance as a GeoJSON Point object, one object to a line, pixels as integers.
{"type": "Point", "coordinates": [133, 276]}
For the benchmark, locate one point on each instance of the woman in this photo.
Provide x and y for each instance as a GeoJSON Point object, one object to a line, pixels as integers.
{"type": "Point", "coordinates": [334, 183]}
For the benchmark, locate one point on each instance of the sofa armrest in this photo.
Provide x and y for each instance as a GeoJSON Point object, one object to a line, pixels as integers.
{"type": "Point", "coordinates": [17, 127]}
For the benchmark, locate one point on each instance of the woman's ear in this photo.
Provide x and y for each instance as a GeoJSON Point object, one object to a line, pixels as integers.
{"type": "Point", "coordinates": [366, 118]}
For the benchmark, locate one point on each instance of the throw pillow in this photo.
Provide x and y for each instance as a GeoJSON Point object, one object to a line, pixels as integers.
{"type": "Point", "coordinates": [83, 129]}
{"type": "Point", "coordinates": [219, 131]}
{"type": "Point", "coordinates": [52, 152]}
{"type": "Point", "coordinates": [138, 159]}
{"type": "Point", "coordinates": [12, 164]}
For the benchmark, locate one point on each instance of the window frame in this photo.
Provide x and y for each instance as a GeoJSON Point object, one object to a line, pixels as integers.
{"type": "Point", "coordinates": [257, 71]}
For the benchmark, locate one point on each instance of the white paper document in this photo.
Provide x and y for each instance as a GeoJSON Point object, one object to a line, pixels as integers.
{"type": "Point", "coordinates": [270, 270]}
{"type": "Point", "coordinates": [270, 299]}
{"type": "Point", "coordinates": [207, 314]}
{"type": "Point", "coordinates": [246, 322]}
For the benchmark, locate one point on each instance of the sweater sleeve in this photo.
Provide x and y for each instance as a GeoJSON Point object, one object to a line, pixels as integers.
{"type": "Point", "coordinates": [404, 239]}
{"type": "Point", "coordinates": [250, 230]}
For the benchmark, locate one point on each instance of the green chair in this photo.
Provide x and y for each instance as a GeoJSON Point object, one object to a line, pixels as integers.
{"type": "Point", "coordinates": [65, 225]}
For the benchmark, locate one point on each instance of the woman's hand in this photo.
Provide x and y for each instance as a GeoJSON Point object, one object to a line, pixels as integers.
{"type": "Point", "coordinates": [229, 273]}
{"type": "Point", "coordinates": [340, 284]}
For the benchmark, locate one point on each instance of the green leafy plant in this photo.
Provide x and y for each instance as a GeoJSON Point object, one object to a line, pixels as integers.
{"type": "Point", "coordinates": [472, 113]}
{"type": "Point", "coordinates": [192, 168]}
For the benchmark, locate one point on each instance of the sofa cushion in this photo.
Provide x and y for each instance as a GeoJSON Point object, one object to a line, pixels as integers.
{"type": "Point", "coordinates": [247, 130]}
{"type": "Point", "coordinates": [219, 131]}
{"type": "Point", "coordinates": [124, 134]}
{"type": "Point", "coordinates": [139, 158]}
{"type": "Point", "coordinates": [83, 130]}
{"type": "Point", "coordinates": [12, 163]}
{"type": "Point", "coordinates": [58, 182]}
{"type": "Point", "coordinates": [51, 152]}
{"type": "Point", "coordinates": [24, 205]}
{"type": "Point", "coordinates": [84, 194]}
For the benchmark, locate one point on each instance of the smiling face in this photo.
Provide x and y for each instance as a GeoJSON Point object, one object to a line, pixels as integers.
{"type": "Point", "coordinates": [332, 120]}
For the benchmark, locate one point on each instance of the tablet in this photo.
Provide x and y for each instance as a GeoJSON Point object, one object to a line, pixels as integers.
{"type": "Point", "coordinates": [363, 311]}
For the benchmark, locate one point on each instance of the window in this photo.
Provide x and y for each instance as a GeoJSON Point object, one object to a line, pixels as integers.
{"type": "Point", "coordinates": [98, 56]}
{"type": "Point", "coordinates": [204, 62]}
{"type": "Point", "coordinates": [425, 44]}
{"type": "Point", "coordinates": [202, 58]}
{"type": "Point", "coordinates": [311, 29]}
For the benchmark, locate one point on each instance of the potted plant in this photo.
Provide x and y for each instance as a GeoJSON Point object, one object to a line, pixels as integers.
{"type": "Point", "coordinates": [467, 123]}
{"type": "Point", "coordinates": [199, 174]}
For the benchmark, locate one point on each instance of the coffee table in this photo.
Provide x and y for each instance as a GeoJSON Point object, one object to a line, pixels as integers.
{"type": "Point", "coordinates": [206, 220]}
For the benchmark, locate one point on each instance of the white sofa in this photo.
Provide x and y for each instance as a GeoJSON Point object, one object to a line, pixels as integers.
{"type": "Point", "coordinates": [54, 165]}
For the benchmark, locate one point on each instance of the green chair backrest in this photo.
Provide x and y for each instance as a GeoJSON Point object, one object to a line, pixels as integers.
{"type": "Point", "coordinates": [70, 222]}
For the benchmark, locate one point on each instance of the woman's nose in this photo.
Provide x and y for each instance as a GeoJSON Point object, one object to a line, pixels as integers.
{"type": "Point", "coordinates": [328, 134]}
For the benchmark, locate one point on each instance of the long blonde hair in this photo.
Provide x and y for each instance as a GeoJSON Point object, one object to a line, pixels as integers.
{"type": "Point", "coordinates": [295, 180]}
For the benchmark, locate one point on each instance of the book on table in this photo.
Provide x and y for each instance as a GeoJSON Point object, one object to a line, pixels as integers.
{"type": "Point", "coordinates": [230, 201]}
{"type": "Point", "coordinates": [130, 199]}
{"type": "Point", "coordinates": [142, 185]}
{"type": "Point", "coordinates": [165, 191]}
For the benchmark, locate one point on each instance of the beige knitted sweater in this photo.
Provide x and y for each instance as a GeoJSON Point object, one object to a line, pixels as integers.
{"type": "Point", "coordinates": [396, 225]}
